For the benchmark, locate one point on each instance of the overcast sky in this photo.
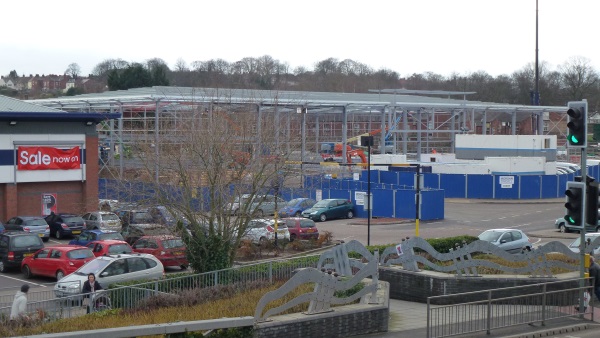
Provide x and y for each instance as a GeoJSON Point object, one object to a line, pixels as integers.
{"type": "Point", "coordinates": [407, 36]}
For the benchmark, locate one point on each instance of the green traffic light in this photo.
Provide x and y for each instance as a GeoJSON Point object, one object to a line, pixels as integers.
{"type": "Point", "coordinates": [570, 220]}
{"type": "Point", "coordinates": [573, 139]}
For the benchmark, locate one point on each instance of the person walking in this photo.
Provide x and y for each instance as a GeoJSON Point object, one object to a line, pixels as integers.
{"type": "Point", "coordinates": [90, 286]}
{"type": "Point", "coordinates": [595, 273]}
{"type": "Point", "coordinates": [19, 306]}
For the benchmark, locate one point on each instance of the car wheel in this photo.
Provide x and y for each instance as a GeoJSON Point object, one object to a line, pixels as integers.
{"type": "Point", "coordinates": [58, 235]}
{"type": "Point", "coordinates": [323, 217]}
{"type": "Point", "coordinates": [292, 237]}
{"type": "Point", "coordinates": [297, 214]}
{"type": "Point", "coordinates": [183, 267]}
{"type": "Point", "coordinates": [26, 271]}
{"type": "Point", "coordinates": [350, 214]}
{"type": "Point", "coordinates": [59, 275]}
{"type": "Point", "coordinates": [562, 228]}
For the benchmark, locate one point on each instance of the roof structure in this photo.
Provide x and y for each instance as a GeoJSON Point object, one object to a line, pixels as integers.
{"type": "Point", "coordinates": [322, 102]}
{"type": "Point", "coordinates": [18, 110]}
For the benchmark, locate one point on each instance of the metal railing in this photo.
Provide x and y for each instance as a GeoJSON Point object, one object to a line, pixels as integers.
{"type": "Point", "coordinates": [44, 303]}
{"type": "Point", "coordinates": [498, 308]}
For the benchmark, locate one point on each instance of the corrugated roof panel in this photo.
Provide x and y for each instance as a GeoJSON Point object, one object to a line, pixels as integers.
{"type": "Point", "coordinates": [10, 105]}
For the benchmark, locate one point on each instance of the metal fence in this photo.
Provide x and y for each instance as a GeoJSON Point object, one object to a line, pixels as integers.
{"type": "Point", "coordinates": [44, 303]}
{"type": "Point", "coordinates": [497, 308]}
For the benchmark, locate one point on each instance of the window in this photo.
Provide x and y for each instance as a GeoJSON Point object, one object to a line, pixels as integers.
{"type": "Point", "coordinates": [152, 245]}
{"type": "Point", "coordinates": [516, 235]}
{"type": "Point", "coordinates": [42, 254]}
{"type": "Point", "coordinates": [26, 241]}
{"type": "Point", "coordinates": [79, 254]}
{"type": "Point", "coordinates": [56, 254]}
{"type": "Point", "coordinates": [116, 268]}
{"type": "Point", "coordinates": [136, 264]}
{"type": "Point", "coordinates": [149, 262]}
{"type": "Point", "coordinates": [142, 243]}
{"type": "Point", "coordinates": [506, 237]}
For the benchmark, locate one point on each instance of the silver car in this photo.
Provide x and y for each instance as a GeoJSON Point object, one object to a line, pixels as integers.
{"type": "Point", "coordinates": [511, 240]}
{"type": "Point", "coordinates": [260, 230]}
{"type": "Point", "coordinates": [110, 270]}
{"type": "Point", "coordinates": [32, 224]}
{"type": "Point", "coordinates": [258, 205]}
{"type": "Point", "coordinates": [103, 220]}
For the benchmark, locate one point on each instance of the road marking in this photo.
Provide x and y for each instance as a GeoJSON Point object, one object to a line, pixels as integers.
{"type": "Point", "coordinates": [22, 280]}
{"type": "Point", "coordinates": [57, 242]}
{"type": "Point", "coordinates": [486, 220]}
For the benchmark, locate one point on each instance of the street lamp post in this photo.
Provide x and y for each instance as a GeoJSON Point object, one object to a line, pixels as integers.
{"type": "Point", "coordinates": [368, 141]}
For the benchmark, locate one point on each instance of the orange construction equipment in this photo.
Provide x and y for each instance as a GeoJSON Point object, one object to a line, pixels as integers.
{"type": "Point", "coordinates": [337, 152]}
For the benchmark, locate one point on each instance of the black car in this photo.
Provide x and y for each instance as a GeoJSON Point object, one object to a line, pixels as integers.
{"type": "Point", "coordinates": [64, 225]}
{"type": "Point", "coordinates": [16, 245]}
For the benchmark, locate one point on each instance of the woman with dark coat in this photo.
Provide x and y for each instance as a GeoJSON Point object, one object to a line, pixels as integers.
{"type": "Point", "coordinates": [89, 287]}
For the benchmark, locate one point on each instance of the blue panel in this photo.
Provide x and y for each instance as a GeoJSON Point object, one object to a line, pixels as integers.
{"type": "Point", "coordinates": [531, 187]}
{"type": "Point", "coordinates": [431, 181]}
{"type": "Point", "coordinates": [550, 186]}
{"type": "Point", "coordinates": [389, 177]}
{"type": "Point", "coordinates": [405, 204]}
{"type": "Point", "coordinates": [432, 206]}
{"type": "Point", "coordinates": [453, 185]}
{"type": "Point", "coordinates": [406, 179]}
{"type": "Point", "coordinates": [479, 186]}
{"type": "Point", "coordinates": [383, 203]}
{"type": "Point", "coordinates": [511, 192]}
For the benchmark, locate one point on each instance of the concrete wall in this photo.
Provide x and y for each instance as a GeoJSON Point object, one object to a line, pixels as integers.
{"type": "Point", "coordinates": [343, 321]}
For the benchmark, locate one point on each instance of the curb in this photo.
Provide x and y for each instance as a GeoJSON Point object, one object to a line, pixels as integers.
{"type": "Point", "coordinates": [552, 332]}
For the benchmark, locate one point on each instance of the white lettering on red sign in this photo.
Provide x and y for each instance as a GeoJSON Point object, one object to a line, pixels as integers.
{"type": "Point", "coordinates": [44, 158]}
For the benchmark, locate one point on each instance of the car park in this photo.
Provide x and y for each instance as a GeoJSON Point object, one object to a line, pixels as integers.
{"type": "Point", "coordinates": [104, 220]}
{"type": "Point", "coordinates": [161, 215]}
{"type": "Point", "coordinates": [295, 207]}
{"type": "Point", "coordinates": [65, 225]}
{"type": "Point", "coordinates": [257, 205]}
{"type": "Point", "coordinates": [110, 270]}
{"type": "Point", "coordinates": [170, 250]}
{"type": "Point", "coordinates": [330, 209]}
{"type": "Point", "coordinates": [32, 224]}
{"type": "Point", "coordinates": [88, 236]}
{"type": "Point", "coordinates": [56, 261]}
{"type": "Point", "coordinates": [133, 232]}
{"type": "Point", "coordinates": [261, 230]}
{"type": "Point", "coordinates": [510, 240]}
{"type": "Point", "coordinates": [562, 226]}
{"type": "Point", "coordinates": [16, 245]}
{"type": "Point", "coordinates": [301, 228]}
{"type": "Point", "coordinates": [109, 247]}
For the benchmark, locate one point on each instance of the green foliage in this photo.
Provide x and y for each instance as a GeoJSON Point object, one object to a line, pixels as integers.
{"type": "Point", "coordinates": [74, 91]}
{"type": "Point", "coordinates": [134, 76]}
{"type": "Point", "coordinates": [444, 245]}
{"type": "Point", "coordinates": [208, 252]}
{"type": "Point", "coordinates": [349, 292]}
{"type": "Point", "coordinates": [239, 332]}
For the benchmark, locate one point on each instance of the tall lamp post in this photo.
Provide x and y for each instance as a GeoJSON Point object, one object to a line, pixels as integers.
{"type": "Point", "coordinates": [368, 141]}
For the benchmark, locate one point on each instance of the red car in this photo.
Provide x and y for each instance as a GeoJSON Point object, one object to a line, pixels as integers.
{"type": "Point", "coordinates": [56, 261]}
{"type": "Point", "coordinates": [109, 247]}
{"type": "Point", "coordinates": [169, 250]}
{"type": "Point", "coordinates": [301, 228]}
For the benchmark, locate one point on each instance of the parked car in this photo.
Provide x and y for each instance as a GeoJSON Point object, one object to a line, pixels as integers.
{"type": "Point", "coordinates": [562, 226]}
{"type": "Point", "coordinates": [88, 236]}
{"type": "Point", "coordinates": [110, 270]}
{"type": "Point", "coordinates": [161, 215]}
{"type": "Point", "coordinates": [301, 228]}
{"type": "Point", "coordinates": [330, 209]}
{"type": "Point", "coordinates": [2, 227]}
{"type": "Point", "coordinates": [510, 240]}
{"type": "Point", "coordinates": [258, 205]}
{"type": "Point", "coordinates": [16, 245]}
{"type": "Point", "coordinates": [63, 224]}
{"type": "Point", "coordinates": [170, 250]}
{"type": "Point", "coordinates": [133, 232]}
{"type": "Point", "coordinates": [260, 230]}
{"type": "Point", "coordinates": [56, 261]}
{"type": "Point", "coordinates": [295, 207]}
{"type": "Point", "coordinates": [104, 220]}
{"type": "Point", "coordinates": [109, 247]}
{"type": "Point", "coordinates": [137, 216]}
{"type": "Point", "coordinates": [32, 224]}
{"type": "Point", "coordinates": [589, 238]}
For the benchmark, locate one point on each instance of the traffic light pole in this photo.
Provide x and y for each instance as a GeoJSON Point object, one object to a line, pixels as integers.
{"type": "Point", "coordinates": [582, 231]}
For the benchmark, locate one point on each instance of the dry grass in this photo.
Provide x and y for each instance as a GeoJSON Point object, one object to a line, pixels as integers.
{"type": "Point", "coordinates": [241, 304]}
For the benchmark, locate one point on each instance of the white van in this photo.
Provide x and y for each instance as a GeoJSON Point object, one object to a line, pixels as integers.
{"type": "Point", "coordinates": [593, 246]}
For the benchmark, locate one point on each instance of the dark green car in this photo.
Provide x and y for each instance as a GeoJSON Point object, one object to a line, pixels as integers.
{"type": "Point", "coordinates": [330, 209]}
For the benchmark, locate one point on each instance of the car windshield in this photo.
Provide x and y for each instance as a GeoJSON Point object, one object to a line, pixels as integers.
{"type": "Point", "coordinates": [293, 202]}
{"type": "Point", "coordinates": [26, 241]}
{"type": "Point", "coordinates": [110, 217]}
{"type": "Point", "coordinates": [80, 254]}
{"type": "Point", "coordinates": [173, 243]}
{"type": "Point", "coordinates": [92, 267]}
{"type": "Point", "coordinates": [73, 219]}
{"type": "Point", "coordinates": [576, 242]}
{"type": "Point", "coordinates": [111, 235]}
{"type": "Point", "coordinates": [307, 224]}
{"type": "Point", "coordinates": [119, 249]}
{"type": "Point", "coordinates": [490, 236]}
{"type": "Point", "coordinates": [321, 204]}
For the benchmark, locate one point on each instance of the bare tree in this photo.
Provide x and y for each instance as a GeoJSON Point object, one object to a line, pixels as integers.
{"type": "Point", "coordinates": [103, 68]}
{"type": "Point", "coordinates": [579, 78]}
{"type": "Point", "coordinates": [181, 66]}
{"type": "Point", "coordinates": [73, 70]}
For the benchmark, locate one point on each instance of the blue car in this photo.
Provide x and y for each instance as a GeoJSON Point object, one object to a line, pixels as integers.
{"type": "Point", "coordinates": [88, 236]}
{"type": "Point", "coordinates": [295, 207]}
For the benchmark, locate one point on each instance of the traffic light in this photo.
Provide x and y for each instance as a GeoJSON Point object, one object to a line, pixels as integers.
{"type": "Point", "coordinates": [591, 203]}
{"type": "Point", "coordinates": [574, 203]}
{"type": "Point", "coordinates": [577, 125]}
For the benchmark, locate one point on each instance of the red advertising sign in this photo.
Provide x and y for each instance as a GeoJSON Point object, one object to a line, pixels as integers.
{"type": "Point", "coordinates": [45, 158]}
{"type": "Point", "coordinates": [49, 204]}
